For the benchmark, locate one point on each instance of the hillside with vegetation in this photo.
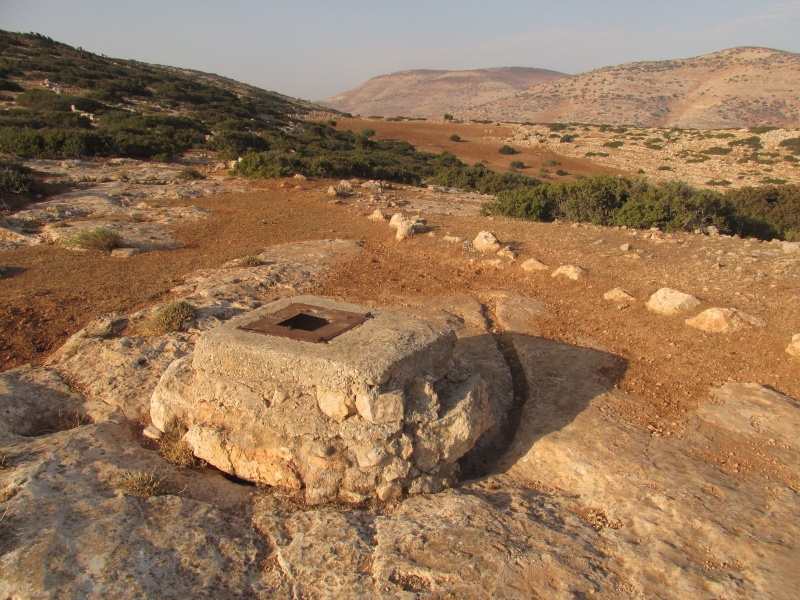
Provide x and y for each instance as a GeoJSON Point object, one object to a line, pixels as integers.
{"type": "Point", "coordinates": [64, 102]}
{"type": "Point", "coordinates": [61, 102]}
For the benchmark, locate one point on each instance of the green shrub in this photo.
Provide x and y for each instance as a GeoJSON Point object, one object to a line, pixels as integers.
{"type": "Point", "coordinates": [753, 142]}
{"type": "Point", "coordinates": [614, 144]}
{"type": "Point", "coordinates": [14, 177]}
{"type": "Point", "coordinates": [568, 138]}
{"type": "Point", "coordinates": [720, 182]}
{"type": "Point", "coordinates": [506, 149]}
{"type": "Point", "coordinates": [171, 317]}
{"type": "Point", "coordinates": [766, 212]}
{"type": "Point", "coordinates": [716, 151]}
{"type": "Point", "coordinates": [791, 144]}
{"type": "Point", "coordinates": [448, 117]}
{"type": "Point", "coordinates": [590, 154]}
{"type": "Point", "coordinates": [99, 238]}
{"type": "Point", "coordinates": [517, 164]}
{"type": "Point", "coordinates": [455, 138]}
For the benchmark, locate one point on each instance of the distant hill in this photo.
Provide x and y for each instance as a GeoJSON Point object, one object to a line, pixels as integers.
{"type": "Point", "coordinates": [740, 87]}
{"type": "Point", "coordinates": [57, 101]}
{"type": "Point", "coordinates": [431, 94]}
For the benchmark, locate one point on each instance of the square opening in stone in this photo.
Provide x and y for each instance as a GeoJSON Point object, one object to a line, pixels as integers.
{"type": "Point", "coordinates": [306, 322]}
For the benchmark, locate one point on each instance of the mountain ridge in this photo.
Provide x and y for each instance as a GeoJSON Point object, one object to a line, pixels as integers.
{"type": "Point", "coordinates": [717, 90]}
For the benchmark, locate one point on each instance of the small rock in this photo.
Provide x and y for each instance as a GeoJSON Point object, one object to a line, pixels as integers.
{"type": "Point", "coordinates": [534, 265]}
{"type": "Point", "coordinates": [790, 247]}
{"type": "Point", "coordinates": [405, 229]}
{"type": "Point", "coordinates": [570, 272]}
{"type": "Point", "coordinates": [712, 230]}
{"type": "Point", "coordinates": [396, 219]}
{"type": "Point", "coordinates": [618, 295]}
{"type": "Point", "coordinates": [378, 215]}
{"type": "Point", "coordinates": [152, 432]}
{"type": "Point", "coordinates": [794, 348]}
{"type": "Point", "coordinates": [381, 408]}
{"type": "Point", "coordinates": [667, 301]}
{"type": "Point", "coordinates": [494, 262]}
{"type": "Point", "coordinates": [625, 247]}
{"type": "Point", "coordinates": [125, 252]}
{"type": "Point", "coordinates": [300, 177]}
{"type": "Point", "coordinates": [451, 239]}
{"type": "Point", "coordinates": [507, 252]}
{"type": "Point", "coordinates": [486, 241]}
{"type": "Point", "coordinates": [722, 320]}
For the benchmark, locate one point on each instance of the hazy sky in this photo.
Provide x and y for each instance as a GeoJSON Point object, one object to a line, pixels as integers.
{"type": "Point", "coordinates": [315, 49]}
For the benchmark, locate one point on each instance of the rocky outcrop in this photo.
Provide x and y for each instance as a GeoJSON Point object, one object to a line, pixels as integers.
{"type": "Point", "coordinates": [383, 407]}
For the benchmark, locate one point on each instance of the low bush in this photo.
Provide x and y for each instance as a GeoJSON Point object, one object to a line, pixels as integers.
{"type": "Point", "coordinates": [716, 151]}
{"type": "Point", "coordinates": [99, 238]}
{"type": "Point", "coordinates": [14, 177]}
{"type": "Point", "coordinates": [170, 317]}
{"type": "Point", "coordinates": [506, 149]}
{"type": "Point", "coordinates": [455, 138]}
{"type": "Point", "coordinates": [189, 174]}
{"type": "Point", "coordinates": [791, 144]}
{"type": "Point", "coordinates": [614, 144]}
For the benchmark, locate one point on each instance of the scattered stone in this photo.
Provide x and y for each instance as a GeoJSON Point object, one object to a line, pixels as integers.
{"type": "Point", "coordinates": [790, 247]}
{"type": "Point", "coordinates": [507, 252]}
{"type": "Point", "coordinates": [396, 219]}
{"type": "Point", "coordinates": [618, 295]}
{"type": "Point", "coordinates": [125, 252]}
{"type": "Point", "coordinates": [377, 405]}
{"type": "Point", "coordinates": [723, 320]}
{"type": "Point", "coordinates": [570, 272]}
{"type": "Point", "coordinates": [712, 230]}
{"type": "Point", "coordinates": [534, 265]}
{"type": "Point", "coordinates": [300, 177]}
{"type": "Point", "coordinates": [378, 215]}
{"type": "Point", "coordinates": [625, 247]}
{"type": "Point", "coordinates": [669, 302]}
{"type": "Point", "coordinates": [152, 432]}
{"type": "Point", "coordinates": [494, 262]}
{"type": "Point", "coordinates": [405, 229]}
{"type": "Point", "coordinates": [486, 241]}
{"type": "Point", "coordinates": [451, 239]}
{"type": "Point", "coordinates": [794, 348]}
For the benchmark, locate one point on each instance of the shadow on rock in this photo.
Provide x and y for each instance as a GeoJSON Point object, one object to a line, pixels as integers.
{"type": "Point", "coordinates": [553, 383]}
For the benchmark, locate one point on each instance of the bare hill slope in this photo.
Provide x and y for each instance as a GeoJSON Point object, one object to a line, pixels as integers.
{"type": "Point", "coordinates": [430, 93]}
{"type": "Point", "coordinates": [734, 88]}
{"type": "Point", "coordinates": [739, 87]}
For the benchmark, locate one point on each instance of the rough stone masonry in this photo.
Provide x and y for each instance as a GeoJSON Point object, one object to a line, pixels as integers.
{"type": "Point", "coordinates": [384, 408]}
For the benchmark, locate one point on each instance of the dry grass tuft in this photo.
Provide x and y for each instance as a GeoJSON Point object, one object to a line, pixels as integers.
{"type": "Point", "coordinates": [177, 451]}
{"type": "Point", "coordinates": [171, 317]}
{"type": "Point", "coordinates": [142, 484]}
{"type": "Point", "coordinates": [99, 238]}
{"type": "Point", "coordinates": [4, 456]}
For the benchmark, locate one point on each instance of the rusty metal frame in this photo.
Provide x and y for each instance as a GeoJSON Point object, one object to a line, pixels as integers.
{"type": "Point", "coordinates": [307, 323]}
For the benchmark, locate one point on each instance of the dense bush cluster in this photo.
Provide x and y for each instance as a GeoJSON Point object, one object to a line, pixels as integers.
{"type": "Point", "coordinates": [766, 212]}
{"type": "Point", "coordinates": [14, 177]}
{"type": "Point", "coordinates": [321, 151]}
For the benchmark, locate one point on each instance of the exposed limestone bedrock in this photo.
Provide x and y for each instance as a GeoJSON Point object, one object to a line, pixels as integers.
{"type": "Point", "coordinates": [370, 413]}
